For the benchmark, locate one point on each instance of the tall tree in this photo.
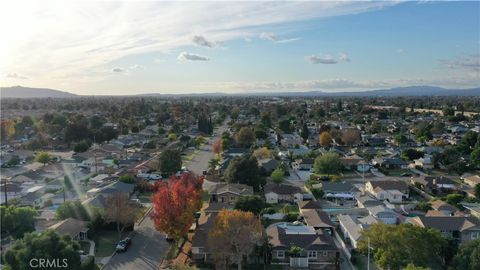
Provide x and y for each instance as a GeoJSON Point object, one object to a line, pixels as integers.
{"type": "Point", "coordinates": [245, 137]}
{"type": "Point", "coordinates": [394, 246]}
{"type": "Point", "coordinates": [170, 162]}
{"type": "Point", "coordinates": [17, 220]}
{"type": "Point", "coordinates": [254, 204]}
{"type": "Point", "coordinates": [244, 170]}
{"type": "Point", "coordinates": [121, 211]}
{"type": "Point", "coordinates": [305, 132]}
{"type": "Point", "coordinates": [234, 235]}
{"type": "Point", "coordinates": [175, 203]}
{"type": "Point", "coordinates": [328, 163]}
{"type": "Point", "coordinates": [468, 256]}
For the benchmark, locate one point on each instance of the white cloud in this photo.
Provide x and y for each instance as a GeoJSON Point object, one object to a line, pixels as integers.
{"type": "Point", "coordinates": [467, 62]}
{"type": "Point", "coordinates": [326, 59]}
{"type": "Point", "coordinates": [137, 67]}
{"type": "Point", "coordinates": [273, 38]}
{"type": "Point", "coordinates": [203, 42]}
{"type": "Point", "coordinates": [344, 57]}
{"type": "Point", "coordinates": [184, 56]}
{"type": "Point", "coordinates": [15, 76]}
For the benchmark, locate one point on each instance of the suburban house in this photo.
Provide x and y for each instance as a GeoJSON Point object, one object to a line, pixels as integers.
{"type": "Point", "coordinates": [352, 226]}
{"type": "Point", "coordinates": [434, 184]}
{"type": "Point", "coordinates": [11, 190]}
{"type": "Point", "coordinates": [291, 140]}
{"type": "Point", "coordinates": [425, 162]}
{"type": "Point", "coordinates": [351, 162]}
{"type": "Point", "coordinates": [444, 208]}
{"type": "Point", "coordinates": [384, 214]}
{"type": "Point", "coordinates": [459, 227]}
{"type": "Point", "coordinates": [390, 162]}
{"type": "Point", "coordinates": [318, 219]}
{"type": "Point", "coordinates": [75, 228]}
{"type": "Point", "coordinates": [268, 165]}
{"type": "Point", "coordinates": [340, 190]}
{"type": "Point", "coordinates": [317, 248]}
{"type": "Point", "coordinates": [275, 193]}
{"type": "Point", "coordinates": [111, 189]}
{"type": "Point", "coordinates": [304, 164]}
{"type": "Point", "coordinates": [229, 193]}
{"type": "Point", "coordinates": [364, 201]}
{"type": "Point", "coordinates": [392, 191]}
{"type": "Point", "coordinates": [473, 209]}
{"type": "Point", "coordinates": [305, 205]}
{"type": "Point", "coordinates": [472, 180]}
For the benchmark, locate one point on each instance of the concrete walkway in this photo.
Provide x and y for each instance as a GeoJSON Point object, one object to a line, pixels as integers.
{"type": "Point", "coordinates": [91, 251]}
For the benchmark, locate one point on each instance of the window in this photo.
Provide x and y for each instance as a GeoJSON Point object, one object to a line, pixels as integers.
{"type": "Point", "coordinates": [280, 254]}
{"type": "Point", "coordinates": [312, 254]}
{"type": "Point", "coordinates": [475, 235]}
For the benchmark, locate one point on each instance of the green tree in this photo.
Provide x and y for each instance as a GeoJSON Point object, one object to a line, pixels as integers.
{"type": "Point", "coordinates": [254, 204]}
{"type": "Point", "coordinates": [47, 244]}
{"type": "Point", "coordinates": [394, 246]}
{"type": "Point", "coordinates": [328, 163]}
{"type": "Point", "coordinates": [17, 220]}
{"type": "Point", "coordinates": [42, 157]}
{"type": "Point", "coordinates": [475, 156]}
{"type": "Point", "coordinates": [244, 170]}
{"type": "Point", "coordinates": [277, 175]}
{"type": "Point", "coordinates": [305, 132]}
{"type": "Point", "coordinates": [412, 266]}
{"type": "Point", "coordinates": [411, 154]}
{"type": "Point", "coordinates": [73, 209]}
{"type": "Point", "coordinates": [424, 206]}
{"type": "Point", "coordinates": [127, 178]}
{"type": "Point", "coordinates": [245, 137]}
{"type": "Point", "coordinates": [170, 162]}
{"type": "Point", "coordinates": [468, 256]}
{"type": "Point", "coordinates": [285, 126]}
{"type": "Point", "coordinates": [172, 137]}
{"type": "Point", "coordinates": [454, 199]}
{"type": "Point", "coordinates": [317, 192]}
{"type": "Point", "coordinates": [82, 146]}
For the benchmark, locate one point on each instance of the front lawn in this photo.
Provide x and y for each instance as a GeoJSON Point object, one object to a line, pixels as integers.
{"type": "Point", "coordinates": [106, 241]}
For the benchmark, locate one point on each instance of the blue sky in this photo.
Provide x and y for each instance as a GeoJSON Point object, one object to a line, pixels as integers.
{"type": "Point", "coordinates": [140, 47]}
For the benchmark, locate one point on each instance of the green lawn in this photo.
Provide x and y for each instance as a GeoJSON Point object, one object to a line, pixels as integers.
{"type": "Point", "coordinates": [106, 241]}
{"type": "Point", "coordinates": [279, 208]}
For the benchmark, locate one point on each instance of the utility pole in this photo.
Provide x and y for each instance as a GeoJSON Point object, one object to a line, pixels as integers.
{"type": "Point", "coordinates": [368, 259]}
{"type": "Point", "coordinates": [5, 191]}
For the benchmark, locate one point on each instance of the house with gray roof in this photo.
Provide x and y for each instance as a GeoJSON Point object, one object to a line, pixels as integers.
{"type": "Point", "coordinates": [459, 227]}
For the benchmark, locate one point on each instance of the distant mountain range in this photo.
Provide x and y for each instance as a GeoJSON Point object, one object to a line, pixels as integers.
{"type": "Point", "coordinates": [26, 92]}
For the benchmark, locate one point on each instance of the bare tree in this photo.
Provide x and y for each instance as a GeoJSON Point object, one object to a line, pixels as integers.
{"type": "Point", "coordinates": [121, 211]}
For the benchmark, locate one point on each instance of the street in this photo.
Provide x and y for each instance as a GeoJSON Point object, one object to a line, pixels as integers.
{"type": "Point", "coordinates": [146, 252]}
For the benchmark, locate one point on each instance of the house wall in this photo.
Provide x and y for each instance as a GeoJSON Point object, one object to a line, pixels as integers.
{"type": "Point", "coordinates": [387, 218]}
{"type": "Point", "coordinates": [271, 197]}
{"type": "Point", "coordinates": [470, 235]}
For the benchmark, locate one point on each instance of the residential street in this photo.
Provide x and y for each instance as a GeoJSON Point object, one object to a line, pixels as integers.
{"type": "Point", "coordinates": [146, 252]}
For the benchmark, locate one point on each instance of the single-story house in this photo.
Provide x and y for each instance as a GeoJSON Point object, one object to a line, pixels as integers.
{"type": "Point", "coordinates": [434, 184]}
{"type": "Point", "coordinates": [339, 190]}
{"type": "Point", "coordinates": [472, 180]}
{"type": "Point", "coordinates": [459, 227]}
{"type": "Point", "coordinates": [386, 215]}
{"type": "Point", "coordinates": [268, 165]}
{"type": "Point", "coordinates": [229, 193]}
{"type": "Point", "coordinates": [352, 227]}
{"type": "Point", "coordinates": [444, 207]}
{"type": "Point", "coordinates": [275, 193]}
{"type": "Point", "coordinates": [317, 248]}
{"type": "Point", "coordinates": [304, 164]}
{"type": "Point", "coordinates": [318, 219]}
{"type": "Point", "coordinates": [394, 191]}
{"type": "Point", "coordinates": [75, 228]}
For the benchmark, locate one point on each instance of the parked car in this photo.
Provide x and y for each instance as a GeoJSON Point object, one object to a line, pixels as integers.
{"type": "Point", "coordinates": [124, 244]}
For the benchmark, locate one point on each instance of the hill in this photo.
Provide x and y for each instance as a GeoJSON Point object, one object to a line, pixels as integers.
{"type": "Point", "coordinates": [27, 92]}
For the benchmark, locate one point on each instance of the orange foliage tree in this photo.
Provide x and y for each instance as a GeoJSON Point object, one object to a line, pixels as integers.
{"type": "Point", "coordinates": [234, 235]}
{"type": "Point", "coordinates": [217, 146]}
{"type": "Point", "coordinates": [325, 139]}
{"type": "Point", "coordinates": [175, 203]}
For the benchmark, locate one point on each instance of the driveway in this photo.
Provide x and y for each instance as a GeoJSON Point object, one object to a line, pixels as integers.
{"type": "Point", "coordinates": [146, 252]}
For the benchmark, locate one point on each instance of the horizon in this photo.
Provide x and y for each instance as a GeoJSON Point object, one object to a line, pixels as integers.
{"type": "Point", "coordinates": [136, 47]}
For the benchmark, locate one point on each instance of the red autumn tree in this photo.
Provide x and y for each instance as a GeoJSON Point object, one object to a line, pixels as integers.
{"type": "Point", "coordinates": [217, 146]}
{"type": "Point", "coordinates": [175, 203]}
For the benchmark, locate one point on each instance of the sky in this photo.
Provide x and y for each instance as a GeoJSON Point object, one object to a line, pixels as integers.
{"type": "Point", "coordinates": [133, 47]}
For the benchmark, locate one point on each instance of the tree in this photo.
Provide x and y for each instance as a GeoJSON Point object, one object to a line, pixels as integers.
{"type": "Point", "coordinates": [17, 220]}
{"type": "Point", "coordinates": [175, 203]}
{"type": "Point", "coordinates": [234, 235]}
{"type": "Point", "coordinates": [254, 204]}
{"type": "Point", "coordinates": [277, 175]}
{"type": "Point", "coordinates": [411, 154]}
{"type": "Point", "coordinates": [245, 137]}
{"type": "Point", "coordinates": [262, 152]}
{"type": "Point", "coordinates": [305, 132]}
{"type": "Point", "coordinates": [412, 266]}
{"type": "Point", "coordinates": [317, 192]}
{"type": "Point", "coordinates": [244, 170]}
{"type": "Point", "coordinates": [285, 126]}
{"type": "Point", "coordinates": [328, 163]}
{"type": "Point", "coordinates": [475, 155]}
{"type": "Point", "coordinates": [199, 140]}
{"type": "Point", "coordinates": [454, 199]}
{"type": "Point", "coordinates": [47, 244]}
{"type": "Point", "coordinates": [170, 162]}
{"type": "Point", "coordinates": [351, 136]}
{"type": "Point", "coordinates": [217, 146]}
{"type": "Point", "coordinates": [73, 209]}
{"type": "Point", "coordinates": [172, 137]}
{"type": "Point", "coordinates": [121, 211]}
{"type": "Point", "coordinates": [82, 146]}
{"type": "Point", "coordinates": [424, 206]}
{"type": "Point", "coordinates": [400, 139]}
{"type": "Point", "coordinates": [325, 139]}
{"type": "Point", "coordinates": [394, 246]}
{"type": "Point", "coordinates": [42, 157]}
{"type": "Point", "coordinates": [127, 178]}
{"type": "Point", "coordinates": [468, 256]}
{"type": "Point", "coordinates": [477, 191]}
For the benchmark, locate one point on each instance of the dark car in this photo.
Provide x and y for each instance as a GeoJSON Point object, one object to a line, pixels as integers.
{"type": "Point", "coordinates": [124, 244]}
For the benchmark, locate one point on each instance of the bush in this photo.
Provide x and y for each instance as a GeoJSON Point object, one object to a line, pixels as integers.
{"type": "Point", "coordinates": [291, 217]}
{"type": "Point", "coordinates": [317, 192]}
